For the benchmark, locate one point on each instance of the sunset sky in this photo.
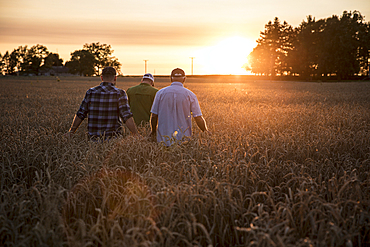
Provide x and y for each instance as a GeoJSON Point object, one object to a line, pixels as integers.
{"type": "Point", "coordinates": [219, 34]}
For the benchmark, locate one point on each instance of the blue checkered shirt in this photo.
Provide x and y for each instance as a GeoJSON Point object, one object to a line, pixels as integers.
{"type": "Point", "coordinates": [104, 105]}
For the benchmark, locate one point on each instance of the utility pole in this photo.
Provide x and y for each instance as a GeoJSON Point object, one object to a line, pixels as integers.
{"type": "Point", "coordinates": [145, 65]}
{"type": "Point", "coordinates": [192, 65]}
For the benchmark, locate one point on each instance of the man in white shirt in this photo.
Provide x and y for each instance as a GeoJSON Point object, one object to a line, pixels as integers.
{"type": "Point", "coordinates": [172, 109]}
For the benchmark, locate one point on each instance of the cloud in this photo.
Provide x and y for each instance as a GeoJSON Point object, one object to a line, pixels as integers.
{"type": "Point", "coordinates": [120, 32]}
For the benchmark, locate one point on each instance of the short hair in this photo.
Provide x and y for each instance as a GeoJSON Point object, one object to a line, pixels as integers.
{"type": "Point", "coordinates": [148, 80]}
{"type": "Point", "coordinates": [177, 75]}
{"type": "Point", "coordinates": [109, 73]}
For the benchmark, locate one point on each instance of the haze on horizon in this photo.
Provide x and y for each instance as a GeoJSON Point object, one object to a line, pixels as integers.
{"type": "Point", "coordinates": [219, 34]}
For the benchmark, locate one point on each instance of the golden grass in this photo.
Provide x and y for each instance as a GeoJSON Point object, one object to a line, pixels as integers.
{"type": "Point", "coordinates": [288, 164]}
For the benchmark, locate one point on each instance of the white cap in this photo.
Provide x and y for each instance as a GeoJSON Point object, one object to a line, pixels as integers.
{"type": "Point", "coordinates": [149, 76]}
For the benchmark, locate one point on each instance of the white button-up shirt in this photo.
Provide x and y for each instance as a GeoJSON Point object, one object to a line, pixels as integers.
{"type": "Point", "coordinates": [174, 106]}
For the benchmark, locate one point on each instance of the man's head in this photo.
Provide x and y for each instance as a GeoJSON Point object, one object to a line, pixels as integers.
{"type": "Point", "coordinates": [148, 78]}
{"type": "Point", "coordinates": [109, 74]}
{"type": "Point", "coordinates": [178, 75]}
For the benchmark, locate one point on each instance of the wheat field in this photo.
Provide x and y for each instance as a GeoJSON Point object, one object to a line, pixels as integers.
{"type": "Point", "coordinates": [287, 164]}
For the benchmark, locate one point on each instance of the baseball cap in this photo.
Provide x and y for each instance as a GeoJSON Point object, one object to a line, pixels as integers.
{"type": "Point", "coordinates": [109, 71]}
{"type": "Point", "coordinates": [177, 73]}
{"type": "Point", "coordinates": [149, 76]}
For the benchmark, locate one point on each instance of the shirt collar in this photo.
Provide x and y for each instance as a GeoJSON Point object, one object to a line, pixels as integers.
{"type": "Point", "coordinates": [177, 83]}
{"type": "Point", "coordinates": [145, 84]}
{"type": "Point", "coordinates": [106, 84]}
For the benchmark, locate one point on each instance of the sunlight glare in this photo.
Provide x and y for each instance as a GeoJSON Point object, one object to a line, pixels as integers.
{"type": "Point", "coordinates": [227, 57]}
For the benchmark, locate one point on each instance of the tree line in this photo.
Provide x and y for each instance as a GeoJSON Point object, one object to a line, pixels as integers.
{"type": "Point", "coordinates": [36, 60]}
{"type": "Point", "coordinates": [335, 46]}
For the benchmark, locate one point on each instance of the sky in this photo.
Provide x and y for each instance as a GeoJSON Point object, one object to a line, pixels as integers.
{"type": "Point", "coordinates": [199, 36]}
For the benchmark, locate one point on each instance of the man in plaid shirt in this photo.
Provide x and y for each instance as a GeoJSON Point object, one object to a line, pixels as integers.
{"type": "Point", "coordinates": [105, 106]}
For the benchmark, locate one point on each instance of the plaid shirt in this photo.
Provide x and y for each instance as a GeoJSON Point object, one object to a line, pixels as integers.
{"type": "Point", "coordinates": [104, 105]}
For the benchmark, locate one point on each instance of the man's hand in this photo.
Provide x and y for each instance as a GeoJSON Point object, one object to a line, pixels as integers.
{"type": "Point", "coordinates": [152, 137]}
{"type": "Point", "coordinates": [131, 126]}
{"type": "Point", "coordinates": [75, 124]}
{"type": "Point", "coordinates": [201, 123]}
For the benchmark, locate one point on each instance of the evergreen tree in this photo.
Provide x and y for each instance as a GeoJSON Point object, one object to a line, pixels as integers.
{"type": "Point", "coordinates": [364, 48]}
{"type": "Point", "coordinates": [334, 46]}
{"type": "Point", "coordinates": [270, 55]}
{"type": "Point", "coordinates": [303, 58]}
{"type": "Point", "coordinates": [1, 64]}
{"type": "Point", "coordinates": [258, 60]}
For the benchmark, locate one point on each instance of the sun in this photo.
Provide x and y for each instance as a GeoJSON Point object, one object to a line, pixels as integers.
{"type": "Point", "coordinates": [229, 56]}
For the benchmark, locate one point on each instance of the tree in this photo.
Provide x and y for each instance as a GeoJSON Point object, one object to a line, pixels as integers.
{"type": "Point", "coordinates": [103, 56]}
{"type": "Point", "coordinates": [333, 46]}
{"type": "Point", "coordinates": [5, 63]}
{"type": "Point", "coordinates": [330, 46]}
{"type": "Point", "coordinates": [270, 55]}
{"type": "Point", "coordinates": [259, 60]}
{"type": "Point", "coordinates": [350, 25]}
{"type": "Point", "coordinates": [34, 59]}
{"type": "Point", "coordinates": [16, 60]}
{"type": "Point", "coordinates": [287, 35]}
{"type": "Point", "coordinates": [82, 62]}
{"type": "Point", "coordinates": [364, 48]}
{"type": "Point", "coordinates": [52, 60]}
{"type": "Point", "coordinates": [1, 64]}
{"type": "Point", "coordinates": [339, 43]}
{"type": "Point", "coordinates": [303, 58]}
{"type": "Point", "coordinates": [113, 61]}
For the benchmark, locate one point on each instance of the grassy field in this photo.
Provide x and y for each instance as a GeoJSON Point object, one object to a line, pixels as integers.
{"type": "Point", "coordinates": [288, 164]}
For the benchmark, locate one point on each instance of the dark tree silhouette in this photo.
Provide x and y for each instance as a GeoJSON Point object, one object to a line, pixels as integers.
{"type": "Point", "coordinates": [16, 60]}
{"type": "Point", "coordinates": [338, 46]}
{"type": "Point", "coordinates": [52, 60]}
{"type": "Point", "coordinates": [34, 59]}
{"type": "Point", "coordinates": [88, 61]}
{"type": "Point", "coordinates": [303, 58]}
{"type": "Point", "coordinates": [82, 62]}
{"type": "Point", "coordinates": [103, 56]}
{"type": "Point", "coordinates": [270, 55]}
{"type": "Point", "coordinates": [364, 48]}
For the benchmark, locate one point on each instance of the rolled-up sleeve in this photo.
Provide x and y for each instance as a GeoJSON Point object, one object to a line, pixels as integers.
{"type": "Point", "coordinates": [194, 106]}
{"type": "Point", "coordinates": [83, 110]}
{"type": "Point", "coordinates": [124, 108]}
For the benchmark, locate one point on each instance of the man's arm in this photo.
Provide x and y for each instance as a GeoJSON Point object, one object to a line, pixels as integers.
{"type": "Point", "coordinates": [153, 124]}
{"type": "Point", "coordinates": [201, 123]}
{"type": "Point", "coordinates": [131, 126]}
{"type": "Point", "coordinates": [75, 124]}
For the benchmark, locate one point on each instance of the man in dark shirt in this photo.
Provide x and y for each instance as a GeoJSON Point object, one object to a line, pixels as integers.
{"type": "Point", "coordinates": [105, 106]}
{"type": "Point", "coordinates": [140, 98]}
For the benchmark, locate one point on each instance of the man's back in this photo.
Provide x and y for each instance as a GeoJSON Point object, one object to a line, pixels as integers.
{"type": "Point", "coordinates": [174, 106]}
{"type": "Point", "coordinates": [141, 98]}
{"type": "Point", "coordinates": [104, 105]}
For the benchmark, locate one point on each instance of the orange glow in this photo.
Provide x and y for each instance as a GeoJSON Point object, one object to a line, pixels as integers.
{"type": "Point", "coordinates": [229, 56]}
{"type": "Point", "coordinates": [165, 34]}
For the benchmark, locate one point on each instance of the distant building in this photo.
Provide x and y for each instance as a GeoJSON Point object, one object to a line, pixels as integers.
{"type": "Point", "coordinates": [55, 71]}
